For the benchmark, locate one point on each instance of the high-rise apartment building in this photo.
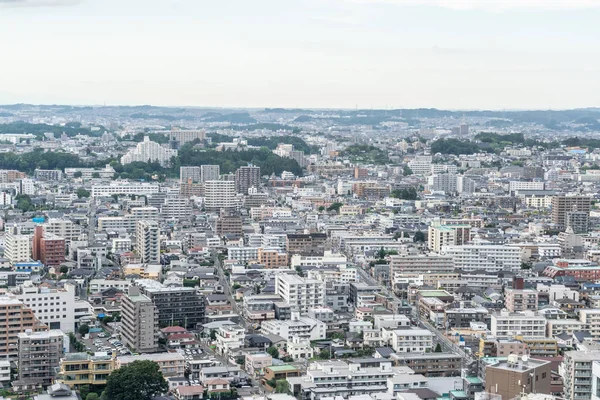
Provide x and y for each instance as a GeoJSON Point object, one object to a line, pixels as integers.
{"type": "Point", "coordinates": [48, 248]}
{"type": "Point", "coordinates": [39, 358]}
{"type": "Point", "coordinates": [147, 241]}
{"type": "Point", "coordinates": [447, 235]}
{"type": "Point", "coordinates": [247, 177]}
{"type": "Point", "coordinates": [17, 248]}
{"type": "Point", "coordinates": [176, 305]}
{"type": "Point", "coordinates": [300, 293]}
{"type": "Point", "coordinates": [187, 173]}
{"type": "Point", "coordinates": [183, 136]}
{"type": "Point", "coordinates": [15, 318]}
{"type": "Point", "coordinates": [210, 173]}
{"type": "Point", "coordinates": [219, 194]}
{"type": "Point", "coordinates": [53, 307]}
{"type": "Point", "coordinates": [576, 371]}
{"type": "Point", "coordinates": [139, 321]}
{"type": "Point", "coordinates": [562, 205]}
{"type": "Point", "coordinates": [149, 151]}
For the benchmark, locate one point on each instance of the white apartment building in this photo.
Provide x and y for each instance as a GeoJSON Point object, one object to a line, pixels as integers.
{"type": "Point", "coordinates": [121, 245]}
{"type": "Point", "coordinates": [64, 228]}
{"type": "Point", "coordinates": [230, 337]}
{"type": "Point", "coordinates": [577, 370]}
{"type": "Point", "coordinates": [147, 236]}
{"type": "Point", "coordinates": [17, 248]}
{"type": "Point", "coordinates": [88, 173]}
{"type": "Point", "coordinates": [176, 208]}
{"type": "Point", "coordinates": [538, 201]}
{"type": "Point", "coordinates": [328, 259]}
{"type": "Point", "coordinates": [341, 274]}
{"type": "Point", "coordinates": [125, 188]}
{"type": "Point", "coordinates": [98, 285]}
{"type": "Point", "coordinates": [505, 325]}
{"type": "Point", "coordinates": [210, 173]}
{"type": "Point", "coordinates": [302, 327]}
{"type": "Point", "coordinates": [149, 151]}
{"type": "Point", "coordinates": [443, 182]}
{"type": "Point", "coordinates": [242, 254]}
{"type": "Point", "coordinates": [412, 340]}
{"type": "Point", "coordinates": [300, 293]}
{"type": "Point", "coordinates": [555, 327]}
{"type": "Point", "coordinates": [53, 307]}
{"type": "Point", "coordinates": [300, 349]}
{"type": "Point", "coordinates": [220, 194]}
{"type": "Point", "coordinates": [490, 258]}
{"type": "Point", "coordinates": [520, 185]}
{"type": "Point", "coordinates": [591, 320]}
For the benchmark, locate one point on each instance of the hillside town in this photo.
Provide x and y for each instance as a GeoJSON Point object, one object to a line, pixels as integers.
{"type": "Point", "coordinates": [300, 254]}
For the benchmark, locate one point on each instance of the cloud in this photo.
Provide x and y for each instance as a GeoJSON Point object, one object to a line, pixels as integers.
{"type": "Point", "coordinates": [38, 3]}
{"type": "Point", "coordinates": [494, 5]}
{"type": "Point", "coordinates": [348, 20]}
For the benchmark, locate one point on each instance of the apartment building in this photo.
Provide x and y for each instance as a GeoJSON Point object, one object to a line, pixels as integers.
{"type": "Point", "coordinates": [220, 195]}
{"type": "Point", "coordinates": [421, 263]}
{"type": "Point", "coordinates": [176, 305]}
{"type": "Point", "coordinates": [176, 207]}
{"type": "Point", "coordinates": [125, 188]}
{"type": "Point", "coordinates": [576, 370]}
{"type": "Point", "coordinates": [17, 248]}
{"type": "Point", "coordinates": [272, 258]}
{"type": "Point", "coordinates": [209, 173]}
{"type": "Point", "coordinates": [82, 369]}
{"type": "Point", "coordinates": [246, 178]}
{"type": "Point", "coordinates": [412, 340]}
{"type": "Point", "coordinates": [229, 338]}
{"type": "Point", "coordinates": [309, 244]}
{"type": "Point", "coordinates": [15, 318]}
{"type": "Point", "coordinates": [300, 293]}
{"type": "Point", "coordinates": [487, 257]}
{"type": "Point", "coordinates": [54, 307]}
{"type": "Point", "coordinates": [302, 327]}
{"type": "Point", "coordinates": [256, 362]}
{"type": "Point", "coordinates": [430, 364]}
{"type": "Point", "coordinates": [139, 321]}
{"type": "Point", "coordinates": [48, 248]}
{"type": "Point", "coordinates": [147, 236]}
{"type": "Point", "coordinates": [505, 325]}
{"type": "Point", "coordinates": [98, 285]}
{"type": "Point", "coordinates": [64, 228]}
{"type": "Point", "coordinates": [228, 223]}
{"type": "Point", "coordinates": [591, 321]}
{"type": "Point", "coordinates": [39, 358]}
{"type": "Point", "coordinates": [299, 349]}
{"type": "Point", "coordinates": [183, 136]}
{"type": "Point", "coordinates": [516, 300]}
{"type": "Point", "coordinates": [562, 205]}
{"type": "Point", "coordinates": [170, 364]}
{"type": "Point", "coordinates": [516, 376]}
{"type": "Point", "coordinates": [447, 235]}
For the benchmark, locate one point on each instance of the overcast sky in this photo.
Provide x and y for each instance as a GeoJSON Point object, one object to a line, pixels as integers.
{"type": "Point", "coordinates": [454, 54]}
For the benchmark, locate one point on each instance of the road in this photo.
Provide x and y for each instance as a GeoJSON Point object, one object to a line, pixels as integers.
{"type": "Point", "coordinates": [227, 290]}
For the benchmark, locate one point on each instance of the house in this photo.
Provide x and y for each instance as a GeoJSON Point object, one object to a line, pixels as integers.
{"type": "Point", "coordinates": [217, 385]}
{"type": "Point", "coordinates": [194, 392]}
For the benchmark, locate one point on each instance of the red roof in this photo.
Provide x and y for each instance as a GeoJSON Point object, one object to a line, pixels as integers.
{"type": "Point", "coordinates": [190, 390]}
{"type": "Point", "coordinates": [177, 336]}
{"type": "Point", "coordinates": [173, 329]}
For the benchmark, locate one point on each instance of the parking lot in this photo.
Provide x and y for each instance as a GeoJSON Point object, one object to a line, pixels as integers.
{"type": "Point", "coordinates": [103, 342]}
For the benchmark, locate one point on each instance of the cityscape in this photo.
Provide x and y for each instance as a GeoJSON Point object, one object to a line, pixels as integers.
{"type": "Point", "coordinates": [299, 200]}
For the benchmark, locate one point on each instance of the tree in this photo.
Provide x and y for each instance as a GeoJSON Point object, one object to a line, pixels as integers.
{"type": "Point", "coordinates": [381, 253]}
{"type": "Point", "coordinates": [96, 175]}
{"type": "Point", "coordinates": [321, 208]}
{"type": "Point", "coordinates": [77, 174]}
{"type": "Point", "coordinates": [282, 386]}
{"type": "Point", "coordinates": [406, 170]}
{"type": "Point", "coordinates": [419, 237]}
{"type": "Point", "coordinates": [64, 269]}
{"type": "Point", "coordinates": [273, 352]}
{"type": "Point", "coordinates": [84, 330]}
{"type": "Point", "coordinates": [438, 348]}
{"type": "Point", "coordinates": [335, 207]}
{"type": "Point", "coordinates": [213, 335]}
{"type": "Point", "coordinates": [140, 380]}
{"type": "Point", "coordinates": [81, 193]}
{"type": "Point", "coordinates": [92, 396]}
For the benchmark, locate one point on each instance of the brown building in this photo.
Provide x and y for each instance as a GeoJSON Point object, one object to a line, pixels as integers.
{"type": "Point", "coordinates": [430, 364]}
{"type": "Point", "coordinates": [229, 224]}
{"type": "Point", "coordinates": [48, 248]}
{"type": "Point", "coordinates": [247, 177]}
{"type": "Point", "coordinates": [563, 205]}
{"type": "Point", "coordinates": [521, 300]}
{"type": "Point", "coordinates": [15, 318]}
{"type": "Point", "coordinates": [361, 173]}
{"type": "Point", "coordinates": [311, 244]}
{"type": "Point", "coordinates": [518, 375]}
{"type": "Point", "coordinates": [190, 188]}
{"type": "Point", "coordinates": [275, 373]}
{"type": "Point", "coordinates": [272, 258]}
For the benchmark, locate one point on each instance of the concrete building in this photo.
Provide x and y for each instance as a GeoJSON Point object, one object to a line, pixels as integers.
{"type": "Point", "coordinates": [54, 307]}
{"type": "Point", "coordinates": [125, 188]}
{"type": "Point", "coordinates": [48, 248]}
{"type": "Point", "coordinates": [425, 264]}
{"type": "Point", "coordinates": [176, 305]}
{"type": "Point", "coordinates": [149, 151]}
{"type": "Point", "coordinates": [39, 358]}
{"type": "Point", "coordinates": [170, 364]}
{"type": "Point", "coordinates": [440, 235]}
{"type": "Point", "coordinates": [272, 257]}
{"type": "Point", "coordinates": [176, 207]}
{"type": "Point", "coordinates": [246, 178]}
{"type": "Point", "coordinates": [17, 248]}
{"type": "Point", "coordinates": [515, 376]}
{"type": "Point", "coordinates": [505, 325]}
{"type": "Point", "coordinates": [412, 340]}
{"type": "Point", "coordinates": [576, 371]}
{"type": "Point", "coordinates": [300, 293]}
{"type": "Point", "coordinates": [301, 327]}
{"type": "Point", "coordinates": [299, 349]}
{"type": "Point", "coordinates": [562, 205]}
{"type": "Point", "coordinates": [210, 173]}
{"type": "Point", "coordinates": [516, 300]}
{"type": "Point", "coordinates": [487, 257]}
{"type": "Point", "coordinates": [220, 194]}
{"type": "Point", "coordinates": [82, 369]}
{"type": "Point", "coordinates": [147, 237]}
{"type": "Point", "coordinates": [229, 338]}
{"type": "Point", "coordinates": [24, 320]}
{"type": "Point", "coordinates": [256, 362]}
{"type": "Point", "coordinates": [187, 173]}
{"type": "Point", "coordinates": [139, 321]}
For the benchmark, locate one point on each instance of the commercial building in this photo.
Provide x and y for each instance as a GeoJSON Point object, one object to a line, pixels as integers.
{"type": "Point", "coordinates": [147, 237]}
{"type": "Point", "coordinates": [246, 178]}
{"type": "Point", "coordinates": [139, 321]}
{"type": "Point", "coordinates": [300, 293]}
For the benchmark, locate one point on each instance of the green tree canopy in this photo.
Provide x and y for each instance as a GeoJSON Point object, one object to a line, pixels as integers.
{"type": "Point", "coordinates": [81, 193]}
{"type": "Point", "coordinates": [140, 380]}
{"type": "Point", "coordinates": [273, 352]}
{"type": "Point", "coordinates": [84, 330]}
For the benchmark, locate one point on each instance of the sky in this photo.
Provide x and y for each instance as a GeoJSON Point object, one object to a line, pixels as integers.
{"type": "Point", "coordinates": [451, 54]}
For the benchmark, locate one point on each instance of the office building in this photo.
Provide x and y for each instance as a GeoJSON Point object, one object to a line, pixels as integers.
{"type": "Point", "coordinates": [139, 321]}
{"type": "Point", "coordinates": [562, 205]}
{"type": "Point", "coordinates": [149, 151]}
{"type": "Point", "coordinates": [246, 178]}
{"type": "Point", "coordinates": [147, 238]}
{"type": "Point", "coordinates": [220, 195]}
{"type": "Point", "coordinates": [300, 293]}
{"type": "Point", "coordinates": [39, 358]}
